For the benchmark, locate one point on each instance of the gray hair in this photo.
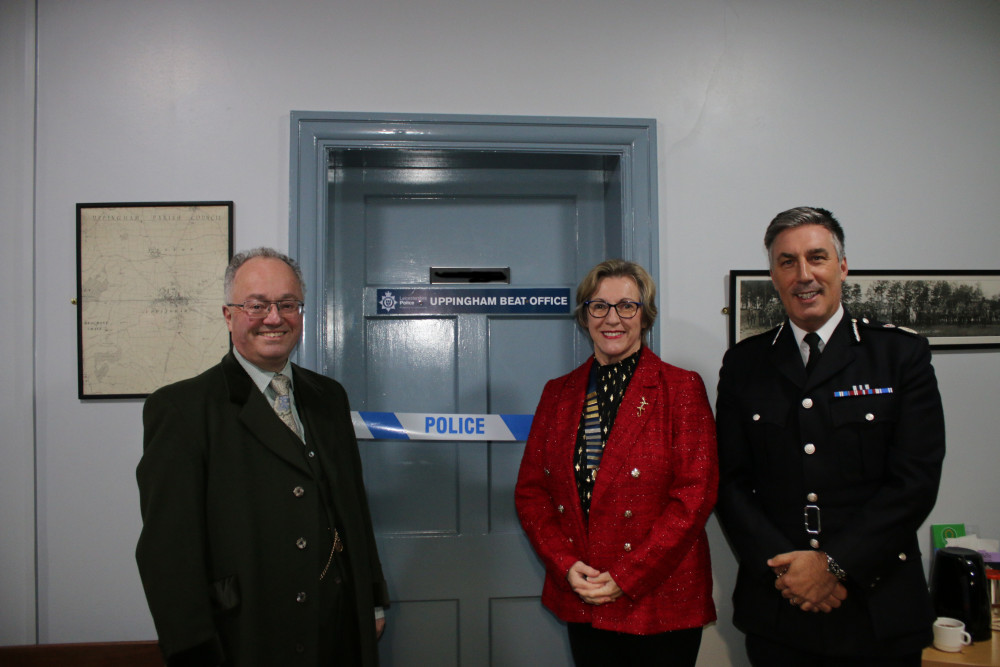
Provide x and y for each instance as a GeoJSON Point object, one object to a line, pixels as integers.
{"type": "Point", "coordinates": [241, 258]}
{"type": "Point", "coordinates": [804, 215]}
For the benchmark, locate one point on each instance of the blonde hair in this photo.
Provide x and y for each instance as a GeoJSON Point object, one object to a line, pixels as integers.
{"type": "Point", "coordinates": [615, 268]}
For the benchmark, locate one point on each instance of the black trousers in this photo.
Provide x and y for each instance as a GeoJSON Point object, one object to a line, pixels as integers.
{"type": "Point", "coordinates": [605, 648]}
{"type": "Point", "coordinates": [766, 653]}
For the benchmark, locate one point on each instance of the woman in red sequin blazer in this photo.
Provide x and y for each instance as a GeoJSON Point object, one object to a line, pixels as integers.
{"type": "Point", "coordinates": [625, 551]}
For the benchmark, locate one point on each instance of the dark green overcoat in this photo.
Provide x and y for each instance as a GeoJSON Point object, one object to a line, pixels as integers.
{"type": "Point", "coordinates": [229, 553]}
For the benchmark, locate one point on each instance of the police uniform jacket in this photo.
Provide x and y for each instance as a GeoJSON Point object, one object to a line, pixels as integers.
{"type": "Point", "coordinates": [847, 461]}
{"type": "Point", "coordinates": [654, 491]}
{"type": "Point", "coordinates": [236, 515]}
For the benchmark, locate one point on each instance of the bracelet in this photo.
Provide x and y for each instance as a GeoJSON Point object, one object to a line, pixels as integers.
{"type": "Point", "coordinates": [833, 568]}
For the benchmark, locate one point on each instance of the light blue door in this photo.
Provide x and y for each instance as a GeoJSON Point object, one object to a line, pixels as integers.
{"type": "Point", "coordinates": [464, 581]}
{"type": "Point", "coordinates": [376, 201]}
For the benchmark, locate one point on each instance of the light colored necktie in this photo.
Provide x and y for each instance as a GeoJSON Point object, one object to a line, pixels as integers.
{"type": "Point", "coordinates": [282, 385]}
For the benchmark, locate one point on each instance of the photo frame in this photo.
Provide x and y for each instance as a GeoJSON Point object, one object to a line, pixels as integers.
{"type": "Point", "coordinates": [149, 280]}
{"type": "Point", "coordinates": [953, 309]}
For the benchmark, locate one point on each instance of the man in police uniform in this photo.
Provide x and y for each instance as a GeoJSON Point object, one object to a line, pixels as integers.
{"type": "Point", "coordinates": [257, 546]}
{"type": "Point", "coordinates": [830, 455]}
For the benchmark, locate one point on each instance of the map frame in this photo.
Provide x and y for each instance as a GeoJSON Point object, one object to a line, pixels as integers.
{"type": "Point", "coordinates": [182, 242]}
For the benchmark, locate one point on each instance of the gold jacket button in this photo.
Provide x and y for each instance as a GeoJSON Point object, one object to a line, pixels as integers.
{"type": "Point", "coordinates": [635, 472]}
{"type": "Point", "coordinates": [301, 543]}
{"type": "Point", "coordinates": [298, 492]}
{"type": "Point", "coordinates": [628, 546]}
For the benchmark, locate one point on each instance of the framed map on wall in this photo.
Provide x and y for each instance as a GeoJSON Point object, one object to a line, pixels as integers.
{"type": "Point", "coordinates": [149, 294]}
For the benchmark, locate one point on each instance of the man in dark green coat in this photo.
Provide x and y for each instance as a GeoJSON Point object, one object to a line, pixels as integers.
{"type": "Point", "coordinates": [257, 547]}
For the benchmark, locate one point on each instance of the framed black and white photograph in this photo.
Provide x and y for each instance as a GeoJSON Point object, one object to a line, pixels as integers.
{"type": "Point", "coordinates": [149, 293]}
{"type": "Point", "coordinates": [953, 309]}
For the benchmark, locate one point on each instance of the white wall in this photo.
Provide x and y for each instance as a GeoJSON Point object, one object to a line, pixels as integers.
{"type": "Point", "coordinates": [883, 111]}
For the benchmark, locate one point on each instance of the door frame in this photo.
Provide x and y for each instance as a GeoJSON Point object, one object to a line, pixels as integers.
{"type": "Point", "coordinates": [314, 134]}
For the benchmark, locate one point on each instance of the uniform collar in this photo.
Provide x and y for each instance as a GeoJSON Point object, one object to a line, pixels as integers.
{"type": "Point", "coordinates": [824, 332]}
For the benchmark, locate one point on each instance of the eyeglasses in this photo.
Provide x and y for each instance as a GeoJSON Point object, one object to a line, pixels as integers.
{"type": "Point", "coordinates": [258, 310]}
{"type": "Point", "coordinates": [625, 309]}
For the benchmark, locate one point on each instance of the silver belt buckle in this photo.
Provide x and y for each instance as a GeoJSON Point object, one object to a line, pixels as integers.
{"type": "Point", "coordinates": [811, 516]}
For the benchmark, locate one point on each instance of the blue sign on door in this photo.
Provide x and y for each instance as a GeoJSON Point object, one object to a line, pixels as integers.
{"type": "Point", "coordinates": [490, 301]}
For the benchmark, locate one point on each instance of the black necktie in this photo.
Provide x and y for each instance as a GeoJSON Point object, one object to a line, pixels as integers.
{"type": "Point", "coordinates": [812, 339]}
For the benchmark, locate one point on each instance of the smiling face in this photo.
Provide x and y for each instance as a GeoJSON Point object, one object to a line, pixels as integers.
{"type": "Point", "coordinates": [266, 342]}
{"type": "Point", "coordinates": [615, 338]}
{"type": "Point", "coordinates": [807, 274]}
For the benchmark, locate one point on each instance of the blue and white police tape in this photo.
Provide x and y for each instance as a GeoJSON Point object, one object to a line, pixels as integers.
{"type": "Point", "coordinates": [439, 426]}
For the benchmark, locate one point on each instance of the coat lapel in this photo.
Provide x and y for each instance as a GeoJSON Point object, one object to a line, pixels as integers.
{"type": "Point", "coordinates": [258, 416]}
{"type": "Point", "coordinates": [320, 426]}
{"type": "Point", "coordinates": [836, 354]}
{"type": "Point", "coordinates": [785, 357]}
{"type": "Point", "coordinates": [643, 391]}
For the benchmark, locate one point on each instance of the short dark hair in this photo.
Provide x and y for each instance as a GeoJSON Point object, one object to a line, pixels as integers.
{"type": "Point", "coordinates": [804, 215]}
{"type": "Point", "coordinates": [615, 268]}
{"type": "Point", "coordinates": [241, 258]}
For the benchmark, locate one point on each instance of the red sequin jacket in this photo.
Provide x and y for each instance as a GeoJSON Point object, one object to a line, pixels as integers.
{"type": "Point", "coordinates": [655, 489]}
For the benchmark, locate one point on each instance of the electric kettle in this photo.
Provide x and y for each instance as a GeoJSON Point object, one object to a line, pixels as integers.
{"type": "Point", "coordinates": [960, 590]}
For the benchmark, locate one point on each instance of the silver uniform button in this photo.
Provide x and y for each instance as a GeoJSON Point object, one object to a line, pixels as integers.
{"type": "Point", "coordinates": [902, 557]}
{"type": "Point", "coordinates": [546, 471]}
{"type": "Point", "coordinates": [560, 509]}
{"type": "Point", "coordinates": [870, 417]}
{"type": "Point", "coordinates": [298, 492]}
{"type": "Point", "coordinates": [301, 597]}
{"type": "Point", "coordinates": [311, 455]}
{"type": "Point", "coordinates": [756, 418]}
{"type": "Point", "coordinates": [807, 403]}
{"type": "Point", "coordinates": [814, 543]}
{"type": "Point", "coordinates": [628, 514]}
{"type": "Point", "coordinates": [812, 497]}
{"type": "Point", "coordinates": [301, 543]}
{"type": "Point", "coordinates": [809, 448]}
{"type": "Point", "coordinates": [628, 546]}
{"type": "Point", "coordinates": [635, 472]}
{"type": "Point", "coordinates": [570, 540]}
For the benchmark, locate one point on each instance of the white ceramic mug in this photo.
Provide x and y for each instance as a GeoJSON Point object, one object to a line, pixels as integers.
{"type": "Point", "coordinates": [950, 635]}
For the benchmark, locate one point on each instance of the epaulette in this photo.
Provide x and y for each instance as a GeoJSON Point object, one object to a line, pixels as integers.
{"type": "Point", "coordinates": [872, 324]}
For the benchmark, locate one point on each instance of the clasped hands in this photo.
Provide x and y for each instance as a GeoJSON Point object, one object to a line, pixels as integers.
{"type": "Point", "coordinates": [593, 586]}
{"type": "Point", "coordinates": [803, 579]}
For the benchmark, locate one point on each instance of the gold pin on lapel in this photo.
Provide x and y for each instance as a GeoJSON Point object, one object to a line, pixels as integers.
{"type": "Point", "coordinates": [642, 406]}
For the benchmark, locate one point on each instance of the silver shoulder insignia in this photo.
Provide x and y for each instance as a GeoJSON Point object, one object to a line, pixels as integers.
{"type": "Point", "coordinates": [781, 327]}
